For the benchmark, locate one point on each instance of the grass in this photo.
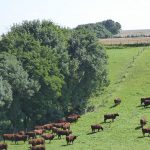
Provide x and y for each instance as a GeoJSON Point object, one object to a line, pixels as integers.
{"type": "Point", "coordinates": [129, 72]}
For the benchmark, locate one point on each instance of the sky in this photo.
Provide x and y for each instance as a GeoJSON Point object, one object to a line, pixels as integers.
{"type": "Point", "coordinates": [131, 14]}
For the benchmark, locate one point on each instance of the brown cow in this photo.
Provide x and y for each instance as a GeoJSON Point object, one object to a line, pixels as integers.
{"type": "Point", "coordinates": [63, 132]}
{"type": "Point", "coordinates": [21, 132]}
{"type": "Point", "coordinates": [18, 137]}
{"type": "Point", "coordinates": [48, 126]}
{"type": "Point", "coordinates": [75, 115]}
{"type": "Point", "coordinates": [58, 125]}
{"type": "Point", "coordinates": [145, 130]}
{"type": "Point", "coordinates": [144, 99]}
{"type": "Point", "coordinates": [39, 127]}
{"type": "Point", "coordinates": [66, 126]}
{"type": "Point", "coordinates": [39, 131]}
{"type": "Point", "coordinates": [143, 122]}
{"type": "Point", "coordinates": [38, 147]}
{"type": "Point", "coordinates": [48, 137]}
{"type": "Point", "coordinates": [110, 116]}
{"type": "Point", "coordinates": [117, 101]}
{"type": "Point", "coordinates": [37, 141]}
{"type": "Point", "coordinates": [3, 146]}
{"type": "Point", "coordinates": [9, 137]}
{"type": "Point", "coordinates": [98, 127]}
{"type": "Point", "coordinates": [54, 130]}
{"type": "Point", "coordinates": [72, 119]}
{"type": "Point", "coordinates": [31, 135]}
{"type": "Point", "coordinates": [70, 139]}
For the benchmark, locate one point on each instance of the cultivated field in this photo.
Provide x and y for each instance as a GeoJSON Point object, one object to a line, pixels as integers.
{"type": "Point", "coordinates": [125, 41]}
{"type": "Point", "coordinates": [129, 72]}
{"type": "Point", "coordinates": [130, 33]}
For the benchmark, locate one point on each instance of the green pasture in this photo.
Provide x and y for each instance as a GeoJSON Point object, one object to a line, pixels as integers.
{"type": "Point", "coordinates": [129, 74]}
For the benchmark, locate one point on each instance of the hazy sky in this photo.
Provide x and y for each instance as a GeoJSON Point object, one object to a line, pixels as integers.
{"type": "Point", "coordinates": [132, 14]}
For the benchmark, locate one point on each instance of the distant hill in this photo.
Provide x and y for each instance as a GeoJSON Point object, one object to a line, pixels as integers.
{"type": "Point", "coordinates": [133, 33]}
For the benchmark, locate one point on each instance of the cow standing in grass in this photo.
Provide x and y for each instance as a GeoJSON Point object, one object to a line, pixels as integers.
{"type": "Point", "coordinates": [146, 103]}
{"type": "Point", "coordinates": [145, 130]}
{"type": "Point", "coordinates": [144, 99]}
{"type": "Point", "coordinates": [143, 122]}
{"type": "Point", "coordinates": [18, 137]}
{"type": "Point", "coordinates": [9, 137]}
{"type": "Point", "coordinates": [110, 116]}
{"type": "Point", "coordinates": [37, 141]}
{"type": "Point", "coordinates": [117, 101]}
{"type": "Point", "coordinates": [96, 127]}
{"type": "Point", "coordinates": [3, 146]}
{"type": "Point", "coordinates": [70, 139]}
{"type": "Point", "coordinates": [38, 147]}
{"type": "Point", "coordinates": [48, 137]}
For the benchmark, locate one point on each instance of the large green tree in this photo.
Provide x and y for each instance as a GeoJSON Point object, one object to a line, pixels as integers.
{"type": "Point", "coordinates": [16, 87]}
{"type": "Point", "coordinates": [69, 66]}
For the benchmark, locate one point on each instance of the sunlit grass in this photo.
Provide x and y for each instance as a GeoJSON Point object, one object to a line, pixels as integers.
{"type": "Point", "coordinates": [129, 73]}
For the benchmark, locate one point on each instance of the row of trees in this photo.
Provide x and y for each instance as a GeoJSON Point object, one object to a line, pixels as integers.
{"type": "Point", "coordinates": [104, 29]}
{"type": "Point", "coordinates": [47, 72]}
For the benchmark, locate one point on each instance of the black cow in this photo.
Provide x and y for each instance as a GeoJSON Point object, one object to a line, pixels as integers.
{"type": "Point", "coordinates": [110, 116]}
{"type": "Point", "coordinates": [144, 99]}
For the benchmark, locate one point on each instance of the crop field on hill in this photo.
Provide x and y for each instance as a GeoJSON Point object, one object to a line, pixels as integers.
{"type": "Point", "coordinates": [125, 41]}
{"type": "Point", "coordinates": [129, 72]}
{"type": "Point", "coordinates": [130, 33]}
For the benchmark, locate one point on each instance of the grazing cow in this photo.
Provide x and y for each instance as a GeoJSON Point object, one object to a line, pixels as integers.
{"type": "Point", "coordinates": [75, 115]}
{"type": "Point", "coordinates": [54, 130]}
{"type": "Point", "coordinates": [143, 122]}
{"type": "Point", "coordinates": [146, 103]}
{"type": "Point", "coordinates": [70, 139]}
{"type": "Point", "coordinates": [73, 118]}
{"type": "Point", "coordinates": [58, 125]}
{"type": "Point", "coordinates": [61, 121]}
{"type": "Point", "coordinates": [117, 101]}
{"type": "Point", "coordinates": [9, 137]}
{"type": "Point", "coordinates": [18, 137]}
{"type": "Point", "coordinates": [48, 137]}
{"type": "Point", "coordinates": [38, 147]}
{"type": "Point", "coordinates": [66, 126]}
{"type": "Point", "coordinates": [48, 126]}
{"type": "Point", "coordinates": [143, 99]}
{"type": "Point", "coordinates": [39, 131]}
{"type": "Point", "coordinates": [145, 130]}
{"type": "Point", "coordinates": [31, 135]}
{"type": "Point", "coordinates": [63, 132]}
{"type": "Point", "coordinates": [98, 127]}
{"type": "Point", "coordinates": [39, 127]}
{"type": "Point", "coordinates": [37, 141]}
{"type": "Point", "coordinates": [21, 132]}
{"type": "Point", "coordinates": [3, 146]}
{"type": "Point", "coordinates": [110, 116]}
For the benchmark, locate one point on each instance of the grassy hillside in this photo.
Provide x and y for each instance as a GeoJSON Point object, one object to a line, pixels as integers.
{"type": "Point", "coordinates": [129, 71]}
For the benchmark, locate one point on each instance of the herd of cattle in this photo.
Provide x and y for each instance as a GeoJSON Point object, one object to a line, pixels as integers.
{"type": "Point", "coordinates": [37, 137]}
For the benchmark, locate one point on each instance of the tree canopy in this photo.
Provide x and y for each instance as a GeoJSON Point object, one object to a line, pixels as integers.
{"type": "Point", "coordinates": [104, 29]}
{"type": "Point", "coordinates": [48, 71]}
